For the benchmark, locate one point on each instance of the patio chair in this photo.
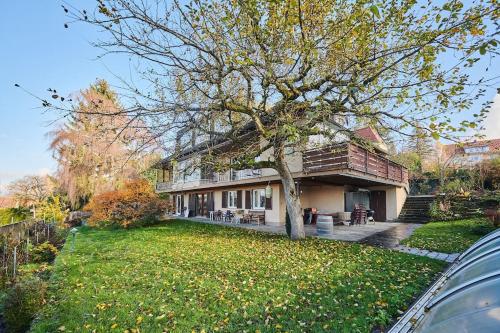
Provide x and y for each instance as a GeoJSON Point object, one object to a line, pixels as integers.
{"type": "Point", "coordinates": [218, 215]}
{"type": "Point", "coordinates": [246, 218]}
{"type": "Point", "coordinates": [359, 215]}
{"type": "Point", "coordinates": [228, 217]}
{"type": "Point", "coordinates": [257, 216]}
{"type": "Point", "coordinates": [238, 216]}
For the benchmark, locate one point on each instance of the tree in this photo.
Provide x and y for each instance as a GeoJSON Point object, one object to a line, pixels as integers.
{"type": "Point", "coordinates": [53, 208]}
{"type": "Point", "coordinates": [93, 154]}
{"type": "Point", "coordinates": [30, 190]}
{"type": "Point", "coordinates": [263, 74]}
{"type": "Point", "coordinates": [444, 157]}
{"type": "Point", "coordinates": [489, 172]}
{"type": "Point", "coordinates": [420, 144]}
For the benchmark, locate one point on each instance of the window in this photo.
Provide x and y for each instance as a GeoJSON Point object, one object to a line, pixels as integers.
{"type": "Point", "coordinates": [474, 159]}
{"type": "Point", "coordinates": [474, 150]}
{"type": "Point", "coordinates": [231, 199]}
{"type": "Point", "coordinates": [259, 199]}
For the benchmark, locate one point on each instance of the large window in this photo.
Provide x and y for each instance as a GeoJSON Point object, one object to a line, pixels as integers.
{"type": "Point", "coordinates": [231, 199]}
{"type": "Point", "coordinates": [474, 150]}
{"type": "Point", "coordinates": [259, 199]}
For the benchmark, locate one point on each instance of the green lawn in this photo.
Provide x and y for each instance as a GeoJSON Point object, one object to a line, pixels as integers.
{"type": "Point", "coordinates": [184, 276]}
{"type": "Point", "coordinates": [449, 236]}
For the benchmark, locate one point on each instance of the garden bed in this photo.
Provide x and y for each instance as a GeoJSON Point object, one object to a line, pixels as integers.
{"type": "Point", "coordinates": [185, 276]}
{"type": "Point", "coordinates": [449, 236]}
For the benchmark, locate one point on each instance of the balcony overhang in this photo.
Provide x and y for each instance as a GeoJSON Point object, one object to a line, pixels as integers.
{"type": "Point", "coordinates": [341, 164]}
{"type": "Point", "coordinates": [333, 177]}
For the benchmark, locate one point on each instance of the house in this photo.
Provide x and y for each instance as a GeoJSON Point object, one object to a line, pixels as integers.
{"type": "Point", "coordinates": [471, 153]}
{"type": "Point", "coordinates": [331, 177]}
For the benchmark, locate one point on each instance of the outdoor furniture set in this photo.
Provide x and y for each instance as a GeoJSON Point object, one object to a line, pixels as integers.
{"type": "Point", "coordinates": [360, 215]}
{"type": "Point", "coordinates": [239, 216]}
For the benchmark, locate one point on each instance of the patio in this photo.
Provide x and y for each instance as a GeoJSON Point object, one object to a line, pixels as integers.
{"type": "Point", "coordinates": [355, 233]}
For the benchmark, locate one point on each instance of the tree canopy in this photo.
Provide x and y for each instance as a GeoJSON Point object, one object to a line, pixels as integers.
{"type": "Point", "coordinates": [93, 149]}
{"type": "Point", "coordinates": [285, 66]}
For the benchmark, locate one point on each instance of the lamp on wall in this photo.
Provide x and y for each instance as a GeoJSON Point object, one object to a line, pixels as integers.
{"type": "Point", "coordinates": [269, 191]}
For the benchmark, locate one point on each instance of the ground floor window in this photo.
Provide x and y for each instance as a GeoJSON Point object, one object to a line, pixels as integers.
{"type": "Point", "coordinates": [259, 199]}
{"type": "Point", "coordinates": [231, 199]}
{"type": "Point", "coordinates": [351, 199]}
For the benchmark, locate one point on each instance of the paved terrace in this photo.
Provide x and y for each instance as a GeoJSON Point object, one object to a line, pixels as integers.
{"type": "Point", "coordinates": [381, 234]}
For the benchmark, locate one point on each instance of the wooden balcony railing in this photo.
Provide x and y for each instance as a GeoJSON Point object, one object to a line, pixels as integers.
{"type": "Point", "coordinates": [351, 156]}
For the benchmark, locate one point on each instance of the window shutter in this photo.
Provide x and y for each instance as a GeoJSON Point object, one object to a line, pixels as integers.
{"type": "Point", "coordinates": [224, 199]}
{"type": "Point", "coordinates": [174, 202]}
{"type": "Point", "coordinates": [248, 200]}
{"type": "Point", "coordinates": [269, 203]}
{"type": "Point", "coordinates": [182, 201]}
{"type": "Point", "coordinates": [238, 199]}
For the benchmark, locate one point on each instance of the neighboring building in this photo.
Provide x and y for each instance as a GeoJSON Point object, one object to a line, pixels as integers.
{"type": "Point", "coordinates": [330, 177]}
{"type": "Point", "coordinates": [471, 153]}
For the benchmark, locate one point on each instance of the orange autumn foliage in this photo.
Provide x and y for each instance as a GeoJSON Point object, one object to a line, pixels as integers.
{"type": "Point", "coordinates": [134, 204]}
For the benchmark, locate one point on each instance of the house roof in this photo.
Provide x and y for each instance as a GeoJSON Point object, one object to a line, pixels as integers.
{"type": "Point", "coordinates": [369, 133]}
{"type": "Point", "coordinates": [454, 148]}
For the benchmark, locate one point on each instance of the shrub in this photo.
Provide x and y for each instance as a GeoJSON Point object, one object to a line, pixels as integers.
{"type": "Point", "coordinates": [45, 252]}
{"type": "Point", "coordinates": [134, 205]}
{"type": "Point", "coordinates": [22, 302]}
{"type": "Point", "coordinates": [58, 237]}
{"type": "Point", "coordinates": [440, 211]}
{"type": "Point", "coordinates": [53, 209]}
{"type": "Point", "coordinates": [9, 215]}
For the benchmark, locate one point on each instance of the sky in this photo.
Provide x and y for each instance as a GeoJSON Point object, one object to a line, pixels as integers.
{"type": "Point", "coordinates": [37, 52]}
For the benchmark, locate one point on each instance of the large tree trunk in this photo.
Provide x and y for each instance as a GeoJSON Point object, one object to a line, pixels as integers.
{"type": "Point", "coordinates": [292, 198]}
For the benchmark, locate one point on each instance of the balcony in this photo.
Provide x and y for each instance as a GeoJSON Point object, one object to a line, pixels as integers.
{"type": "Point", "coordinates": [163, 186]}
{"type": "Point", "coordinates": [217, 178]}
{"type": "Point", "coordinates": [339, 158]}
{"type": "Point", "coordinates": [352, 157]}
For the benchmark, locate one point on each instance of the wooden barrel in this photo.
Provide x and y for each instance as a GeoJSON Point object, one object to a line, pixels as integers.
{"type": "Point", "coordinates": [324, 225]}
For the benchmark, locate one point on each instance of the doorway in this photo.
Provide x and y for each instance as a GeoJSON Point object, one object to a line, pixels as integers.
{"type": "Point", "coordinates": [378, 204]}
{"type": "Point", "coordinates": [200, 204]}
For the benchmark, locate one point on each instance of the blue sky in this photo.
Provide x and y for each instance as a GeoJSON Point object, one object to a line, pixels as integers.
{"type": "Point", "coordinates": [39, 53]}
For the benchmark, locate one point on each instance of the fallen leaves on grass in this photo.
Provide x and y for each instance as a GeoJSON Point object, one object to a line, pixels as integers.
{"type": "Point", "coordinates": [191, 277]}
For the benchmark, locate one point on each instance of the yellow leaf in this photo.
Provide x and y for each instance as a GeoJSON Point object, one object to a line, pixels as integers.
{"type": "Point", "coordinates": [114, 325]}
{"type": "Point", "coordinates": [139, 320]}
{"type": "Point", "coordinates": [160, 317]}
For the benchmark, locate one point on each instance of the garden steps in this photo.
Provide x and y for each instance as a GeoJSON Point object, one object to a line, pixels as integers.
{"type": "Point", "coordinates": [416, 209]}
